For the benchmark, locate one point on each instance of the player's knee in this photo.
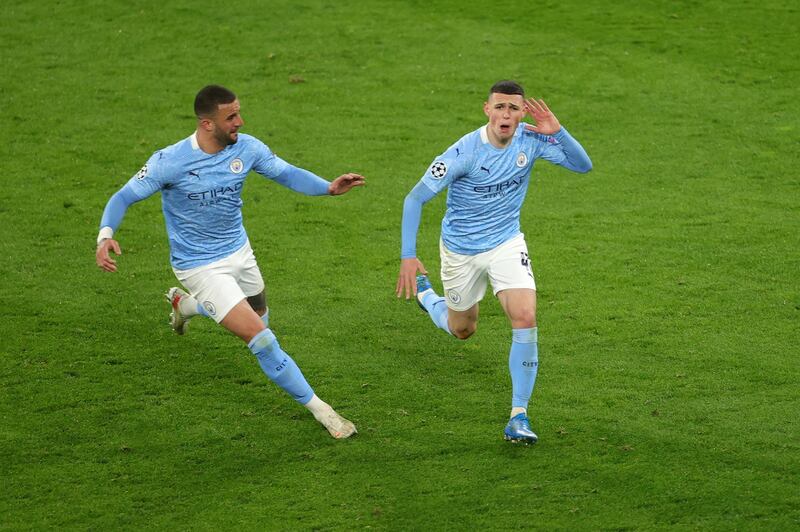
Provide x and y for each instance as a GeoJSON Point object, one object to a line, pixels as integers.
{"type": "Point", "coordinates": [462, 332]}
{"type": "Point", "coordinates": [524, 320]}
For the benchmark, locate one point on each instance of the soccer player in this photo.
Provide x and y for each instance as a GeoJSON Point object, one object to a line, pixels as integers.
{"type": "Point", "coordinates": [487, 174]}
{"type": "Point", "coordinates": [200, 179]}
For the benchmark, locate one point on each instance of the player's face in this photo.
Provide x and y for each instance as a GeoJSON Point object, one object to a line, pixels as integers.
{"type": "Point", "coordinates": [505, 111]}
{"type": "Point", "coordinates": [226, 123]}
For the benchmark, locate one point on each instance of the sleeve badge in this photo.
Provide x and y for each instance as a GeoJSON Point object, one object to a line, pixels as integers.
{"type": "Point", "coordinates": [141, 174]}
{"type": "Point", "coordinates": [438, 169]}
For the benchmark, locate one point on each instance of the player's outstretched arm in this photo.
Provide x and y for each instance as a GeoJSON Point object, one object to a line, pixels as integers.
{"type": "Point", "coordinates": [344, 183]}
{"type": "Point", "coordinates": [407, 279]}
{"type": "Point", "coordinates": [112, 217]}
{"type": "Point", "coordinates": [103, 257]}
{"type": "Point", "coordinates": [546, 121]}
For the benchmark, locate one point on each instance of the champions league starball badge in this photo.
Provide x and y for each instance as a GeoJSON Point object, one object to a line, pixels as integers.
{"type": "Point", "coordinates": [438, 169]}
{"type": "Point", "coordinates": [141, 174]}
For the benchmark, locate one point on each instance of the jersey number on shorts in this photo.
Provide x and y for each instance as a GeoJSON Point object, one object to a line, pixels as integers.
{"type": "Point", "coordinates": [526, 262]}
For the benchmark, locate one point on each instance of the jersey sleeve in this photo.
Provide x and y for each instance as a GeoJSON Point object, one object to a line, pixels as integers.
{"type": "Point", "coordinates": [150, 179]}
{"type": "Point", "coordinates": [449, 166]}
{"type": "Point", "coordinates": [266, 162]}
{"type": "Point", "coordinates": [562, 149]}
{"type": "Point", "coordinates": [143, 184]}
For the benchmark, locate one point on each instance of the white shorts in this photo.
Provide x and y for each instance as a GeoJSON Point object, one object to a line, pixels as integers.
{"type": "Point", "coordinates": [464, 277]}
{"type": "Point", "coordinates": [219, 286]}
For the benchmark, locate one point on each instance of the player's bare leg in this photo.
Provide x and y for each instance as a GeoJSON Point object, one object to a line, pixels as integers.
{"type": "Point", "coordinates": [463, 323]}
{"type": "Point", "coordinates": [519, 305]}
{"type": "Point", "coordinates": [281, 369]}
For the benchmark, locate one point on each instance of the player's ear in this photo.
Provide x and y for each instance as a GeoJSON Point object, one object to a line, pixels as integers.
{"type": "Point", "coordinates": [486, 109]}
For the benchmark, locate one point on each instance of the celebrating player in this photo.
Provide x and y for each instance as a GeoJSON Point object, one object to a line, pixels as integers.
{"type": "Point", "coordinates": [487, 174]}
{"type": "Point", "coordinates": [200, 179]}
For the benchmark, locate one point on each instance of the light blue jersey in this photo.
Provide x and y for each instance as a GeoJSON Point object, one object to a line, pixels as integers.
{"type": "Point", "coordinates": [487, 187]}
{"type": "Point", "coordinates": [201, 195]}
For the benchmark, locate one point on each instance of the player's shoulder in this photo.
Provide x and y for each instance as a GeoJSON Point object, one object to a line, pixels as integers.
{"type": "Point", "coordinates": [251, 144]}
{"type": "Point", "coordinates": [177, 151]}
{"type": "Point", "coordinates": [173, 155]}
{"type": "Point", "coordinates": [526, 131]}
{"type": "Point", "coordinates": [469, 143]}
{"type": "Point", "coordinates": [250, 141]}
{"type": "Point", "coordinates": [246, 139]}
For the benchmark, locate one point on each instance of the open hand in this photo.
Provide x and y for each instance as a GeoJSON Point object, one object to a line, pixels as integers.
{"type": "Point", "coordinates": [546, 121]}
{"type": "Point", "coordinates": [407, 279]}
{"type": "Point", "coordinates": [344, 183]}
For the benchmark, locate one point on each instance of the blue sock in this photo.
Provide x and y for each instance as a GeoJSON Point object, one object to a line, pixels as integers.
{"type": "Point", "coordinates": [437, 310]}
{"type": "Point", "coordinates": [265, 319]}
{"type": "Point", "coordinates": [523, 362]}
{"type": "Point", "coordinates": [202, 311]}
{"type": "Point", "coordinates": [280, 367]}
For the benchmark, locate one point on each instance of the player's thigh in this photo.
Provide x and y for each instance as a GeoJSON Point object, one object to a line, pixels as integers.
{"type": "Point", "coordinates": [463, 278]}
{"type": "Point", "coordinates": [215, 286]}
{"type": "Point", "coordinates": [248, 273]}
{"type": "Point", "coordinates": [243, 321]}
{"type": "Point", "coordinates": [519, 304]}
{"type": "Point", "coordinates": [510, 266]}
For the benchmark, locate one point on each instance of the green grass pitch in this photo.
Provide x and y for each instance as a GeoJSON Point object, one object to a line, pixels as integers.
{"type": "Point", "coordinates": [669, 302]}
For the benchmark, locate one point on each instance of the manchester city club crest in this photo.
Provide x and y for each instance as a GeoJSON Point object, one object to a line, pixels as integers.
{"type": "Point", "coordinates": [454, 297]}
{"type": "Point", "coordinates": [237, 166]}
{"type": "Point", "coordinates": [522, 159]}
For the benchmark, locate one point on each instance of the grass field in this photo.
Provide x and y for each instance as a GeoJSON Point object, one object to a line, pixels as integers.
{"type": "Point", "coordinates": [669, 305]}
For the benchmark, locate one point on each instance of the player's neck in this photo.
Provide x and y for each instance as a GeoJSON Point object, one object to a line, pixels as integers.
{"type": "Point", "coordinates": [207, 142]}
{"type": "Point", "coordinates": [496, 141]}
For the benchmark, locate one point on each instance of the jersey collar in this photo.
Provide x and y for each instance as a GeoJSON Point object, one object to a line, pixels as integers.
{"type": "Point", "coordinates": [485, 135]}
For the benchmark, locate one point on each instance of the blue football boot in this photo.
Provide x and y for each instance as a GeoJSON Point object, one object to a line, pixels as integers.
{"type": "Point", "coordinates": [423, 285]}
{"type": "Point", "coordinates": [519, 429]}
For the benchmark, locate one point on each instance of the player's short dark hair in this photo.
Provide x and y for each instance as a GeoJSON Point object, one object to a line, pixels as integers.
{"type": "Point", "coordinates": [507, 86]}
{"type": "Point", "coordinates": [210, 98]}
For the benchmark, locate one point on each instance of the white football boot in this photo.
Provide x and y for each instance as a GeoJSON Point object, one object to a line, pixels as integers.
{"type": "Point", "coordinates": [177, 320]}
{"type": "Point", "coordinates": [338, 427]}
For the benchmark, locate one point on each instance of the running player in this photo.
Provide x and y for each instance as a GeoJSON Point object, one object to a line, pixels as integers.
{"type": "Point", "coordinates": [487, 174]}
{"type": "Point", "coordinates": [200, 179]}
